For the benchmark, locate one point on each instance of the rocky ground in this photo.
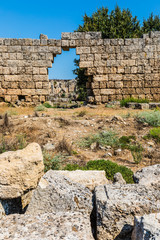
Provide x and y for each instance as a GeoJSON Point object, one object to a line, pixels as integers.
{"type": "Point", "coordinates": [77, 205]}
{"type": "Point", "coordinates": [59, 132]}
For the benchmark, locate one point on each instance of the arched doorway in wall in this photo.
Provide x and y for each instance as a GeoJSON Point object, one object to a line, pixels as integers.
{"type": "Point", "coordinates": [61, 76]}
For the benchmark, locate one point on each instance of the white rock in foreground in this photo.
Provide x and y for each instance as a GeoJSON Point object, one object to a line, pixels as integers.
{"type": "Point", "coordinates": [118, 204]}
{"type": "Point", "coordinates": [89, 179]}
{"type": "Point", "coordinates": [147, 227]}
{"type": "Point", "coordinates": [56, 193]}
{"type": "Point", "coordinates": [20, 171]}
{"type": "Point", "coordinates": [148, 175]}
{"type": "Point", "coordinates": [53, 226]}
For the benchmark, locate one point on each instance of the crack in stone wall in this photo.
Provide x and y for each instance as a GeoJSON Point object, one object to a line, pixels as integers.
{"type": "Point", "coordinates": [116, 68]}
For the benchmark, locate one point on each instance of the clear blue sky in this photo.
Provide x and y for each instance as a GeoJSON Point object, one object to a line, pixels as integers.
{"type": "Point", "coordinates": [27, 19]}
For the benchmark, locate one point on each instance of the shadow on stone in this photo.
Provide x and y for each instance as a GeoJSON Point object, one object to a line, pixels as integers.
{"type": "Point", "coordinates": [12, 206]}
{"type": "Point", "coordinates": [125, 233]}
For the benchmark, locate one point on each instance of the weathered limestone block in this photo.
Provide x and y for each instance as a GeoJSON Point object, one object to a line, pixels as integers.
{"type": "Point", "coordinates": [20, 171]}
{"type": "Point", "coordinates": [107, 91]}
{"type": "Point", "coordinates": [148, 175]}
{"type": "Point", "coordinates": [147, 227]}
{"type": "Point", "coordinates": [58, 226]}
{"type": "Point", "coordinates": [118, 204]}
{"type": "Point", "coordinates": [89, 179]}
{"type": "Point", "coordinates": [56, 192]}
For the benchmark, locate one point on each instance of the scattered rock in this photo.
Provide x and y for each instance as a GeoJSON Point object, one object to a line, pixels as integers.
{"type": "Point", "coordinates": [117, 204]}
{"type": "Point", "coordinates": [94, 146]}
{"type": "Point", "coordinates": [58, 226]}
{"type": "Point", "coordinates": [124, 156]}
{"type": "Point", "coordinates": [89, 179]}
{"type": "Point", "coordinates": [58, 193]}
{"type": "Point", "coordinates": [117, 118]}
{"type": "Point", "coordinates": [49, 147]}
{"type": "Point", "coordinates": [118, 178]}
{"type": "Point", "coordinates": [118, 152]}
{"type": "Point", "coordinates": [148, 175]}
{"type": "Point", "coordinates": [147, 227]}
{"type": "Point", "coordinates": [20, 171]}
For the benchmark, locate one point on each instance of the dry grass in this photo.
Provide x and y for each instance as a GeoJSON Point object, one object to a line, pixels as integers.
{"type": "Point", "coordinates": [64, 146]}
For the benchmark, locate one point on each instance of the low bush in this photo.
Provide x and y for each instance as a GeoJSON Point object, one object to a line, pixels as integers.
{"type": "Point", "coordinates": [47, 105]}
{"type": "Point", "coordinates": [152, 118]}
{"type": "Point", "coordinates": [106, 138]}
{"type": "Point", "coordinates": [40, 108]}
{"type": "Point", "coordinates": [125, 101]}
{"type": "Point", "coordinates": [153, 133]}
{"type": "Point", "coordinates": [109, 167]}
{"type": "Point", "coordinates": [52, 162]}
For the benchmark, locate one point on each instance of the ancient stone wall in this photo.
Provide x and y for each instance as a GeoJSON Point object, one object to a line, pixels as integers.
{"type": "Point", "coordinates": [116, 68]}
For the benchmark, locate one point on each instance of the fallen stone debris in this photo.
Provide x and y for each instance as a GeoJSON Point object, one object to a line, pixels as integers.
{"type": "Point", "coordinates": [77, 205]}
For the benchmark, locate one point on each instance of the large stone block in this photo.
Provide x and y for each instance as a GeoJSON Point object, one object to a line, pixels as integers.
{"type": "Point", "coordinates": [118, 204]}
{"type": "Point", "coordinates": [147, 227]}
{"type": "Point", "coordinates": [56, 226]}
{"type": "Point", "coordinates": [20, 171]}
{"type": "Point", "coordinates": [56, 193]}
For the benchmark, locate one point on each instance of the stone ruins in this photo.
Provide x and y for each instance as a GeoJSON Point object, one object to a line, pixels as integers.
{"type": "Point", "coordinates": [116, 68]}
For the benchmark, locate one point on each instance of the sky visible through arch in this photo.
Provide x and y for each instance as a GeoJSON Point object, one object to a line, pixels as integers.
{"type": "Point", "coordinates": [27, 19]}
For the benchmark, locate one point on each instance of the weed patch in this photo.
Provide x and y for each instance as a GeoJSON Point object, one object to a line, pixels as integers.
{"type": "Point", "coordinates": [52, 162]}
{"type": "Point", "coordinates": [153, 133]}
{"type": "Point", "coordinates": [40, 108]}
{"type": "Point", "coordinates": [125, 101]}
{"type": "Point", "coordinates": [152, 118]}
{"type": "Point", "coordinates": [106, 138]}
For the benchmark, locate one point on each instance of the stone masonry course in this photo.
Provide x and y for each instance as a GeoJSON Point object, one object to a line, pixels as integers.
{"type": "Point", "coordinates": [116, 68]}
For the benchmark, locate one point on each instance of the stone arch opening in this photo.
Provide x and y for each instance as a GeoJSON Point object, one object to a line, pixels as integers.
{"type": "Point", "coordinates": [62, 80]}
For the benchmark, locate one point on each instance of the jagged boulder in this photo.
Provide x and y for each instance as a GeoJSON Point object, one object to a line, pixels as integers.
{"type": "Point", "coordinates": [58, 193]}
{"type": "Point", "coordinates": [20, 171]}
{"type": "Point", "coordinates": [58, 226]}
{"type": "Point", "coordinates": [147, 227]}
{"type": "Point", "coordinates": [148, 175]}
{"type": "Point", "coordinates": [89, 179]}
{"type": "Point", "coordinates": [118, 178]}
{"type": "Point", "coordinates": [118, 204]}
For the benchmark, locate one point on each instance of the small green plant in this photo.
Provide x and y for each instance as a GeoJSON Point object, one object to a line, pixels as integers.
{"type": "Point", "coordinates": [152, 118]}
{"type": "Point", "coordinates": [106, 138]}
{"type": "Point", "coordinates": [40, 108]}
{"type": "Point", "coordinates": [125, 101]}
{"type": "Point", "coordinates": [47, 105]}
{"type": "Point", "coordinates": [108, 166]}
{"type": "Point", "coordinates": [109, 106]}
{"type": "Point", "coordinates": [52, 162]}
{"type": "Point", "coordinates": [153, 133]}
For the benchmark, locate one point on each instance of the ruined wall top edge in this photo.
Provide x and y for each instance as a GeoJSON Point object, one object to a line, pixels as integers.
{"type": "Point", "coordinates": [66, 36]}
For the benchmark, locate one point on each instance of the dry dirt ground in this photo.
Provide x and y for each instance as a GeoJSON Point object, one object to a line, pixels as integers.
{"type": "Point", "coordinates": [65, 128]}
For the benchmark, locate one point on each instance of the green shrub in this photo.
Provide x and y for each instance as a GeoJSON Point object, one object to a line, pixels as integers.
{"type": "Point", "coordinates": [52, 162]}
{"type": "Point", "coordinates": [106, 138]}
{"type": "Point", "coordinates": [125, 101]}
{"type": "Point", "coordinates": [109, 167]}
{"type": "Point", "coordinates": [152, 118]}
{"type": "Point", "coordinates": [154, 133]}
{"type": "Point", "coordinates": [40, 108]}
{"type": "Point", "coordinates": [47, 105]}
